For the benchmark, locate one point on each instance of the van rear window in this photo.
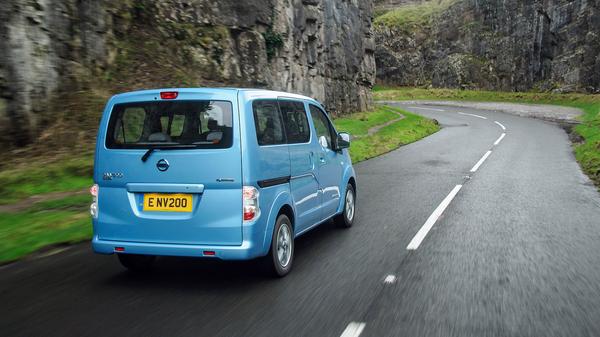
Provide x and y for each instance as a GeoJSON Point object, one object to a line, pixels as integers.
{"type": "Point", "coordinates": [204, 124]}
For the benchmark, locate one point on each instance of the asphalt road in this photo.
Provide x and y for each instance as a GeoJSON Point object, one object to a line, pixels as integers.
{"type": "Point", "coordinates": [515, 253]}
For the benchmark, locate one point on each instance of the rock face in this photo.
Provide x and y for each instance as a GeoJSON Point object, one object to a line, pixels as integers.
{"type": "Point", "coordinates": [57, 55]}
{"type": "Point", "coordinates": [498, 45]}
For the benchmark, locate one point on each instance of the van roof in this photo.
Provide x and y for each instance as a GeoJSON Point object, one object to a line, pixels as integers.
{"type": "Point", "coordinates": [249, 93]}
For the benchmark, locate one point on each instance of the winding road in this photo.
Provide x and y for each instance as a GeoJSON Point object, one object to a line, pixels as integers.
{"type": "Point", "coordinates": [486, 228]}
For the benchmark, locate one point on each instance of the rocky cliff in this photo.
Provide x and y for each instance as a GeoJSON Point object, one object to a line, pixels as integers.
{"type": "Point", "coordinates": [59, 60]}
{"type": "Point", "coordinates": [492, 44]}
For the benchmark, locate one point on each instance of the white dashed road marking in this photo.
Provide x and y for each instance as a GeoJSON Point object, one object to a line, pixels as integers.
{"type": "Point", "coordinates": [473, 115]}
{"type": "Point", "coordinates": [433, 218]}
{"type": "Point", "coordinates": [499, 139]}
{"type": "Point", "coordinates": [354, 329]}
{"type": "Point", "coordinates": [485, 156]}
{"type": "Point", "coordinates": [390, 279]}
{"type": "Point", "coordinates": [422, 233]}
{"type": "Point", "coordinates": [500, 125]}
{"type": "Point", "coordinates": [432, 109]}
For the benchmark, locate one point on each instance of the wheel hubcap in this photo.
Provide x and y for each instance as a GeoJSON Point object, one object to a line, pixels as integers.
{"type": "Point", "coordinates": [284, 245]}
{"type": "Point", "coordinates": [349, 205]}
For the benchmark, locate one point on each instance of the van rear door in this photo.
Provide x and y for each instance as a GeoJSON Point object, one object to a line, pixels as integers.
{"type": "Point", "coordinates": [169, 170]}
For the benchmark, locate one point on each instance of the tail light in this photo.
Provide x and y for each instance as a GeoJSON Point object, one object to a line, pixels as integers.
{"type": "Point", "coordinates": [250, 205]}
{"type": "Point", "coordinates": [94, 191]}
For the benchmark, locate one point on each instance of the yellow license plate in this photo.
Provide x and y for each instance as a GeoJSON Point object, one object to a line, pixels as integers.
{"type": "Point", "coordinates": [167, 202]}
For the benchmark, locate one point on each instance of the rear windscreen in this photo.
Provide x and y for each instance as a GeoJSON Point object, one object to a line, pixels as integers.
{"type": "Point", "coordinates": [204, 124]}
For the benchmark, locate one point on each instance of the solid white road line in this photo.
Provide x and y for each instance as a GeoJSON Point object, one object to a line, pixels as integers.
{"type": "Point", "coordinates": [354, 329]}
{"type": "Point", "coordinates": [485, 156]}
{"type": "Point", "coordinates": [432, 109]}
{"type": "Point", "coordinates": [500, 139]}
{"type": "Point", "coordinates": [500, 125]}
{"type": "Point", "coordinates": [422, 233]}
{"type": "Point", "coordinates": [473, 115]}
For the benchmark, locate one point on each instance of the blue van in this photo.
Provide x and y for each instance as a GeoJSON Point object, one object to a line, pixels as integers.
{"type": "Point", "coordinates": [232, 174]}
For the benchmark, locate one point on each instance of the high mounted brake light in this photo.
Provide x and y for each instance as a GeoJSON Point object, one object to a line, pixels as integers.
{"type": "Point", "coordinates": [169, 94]}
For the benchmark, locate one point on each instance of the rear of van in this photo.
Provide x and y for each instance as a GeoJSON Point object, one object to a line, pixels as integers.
{"type": "Point", "coordinates": [168, 174]}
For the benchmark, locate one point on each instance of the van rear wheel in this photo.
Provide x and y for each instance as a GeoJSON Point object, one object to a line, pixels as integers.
{"type": "Point", "coordinates": [281, 255]}
{"type": "Point", "coordinates": [137, 263]}
{"type": "Point", "coordinates": [346, 219]}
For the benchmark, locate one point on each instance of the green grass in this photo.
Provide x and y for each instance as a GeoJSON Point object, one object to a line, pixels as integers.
{"type": "Point", "coordinates": [358, 124]}
{"type": "Point", "coordinates": [38, 177]}
{"type": "Point", "coordinates": [587, 153]}
{"type": "Point", "coordinates": [414, 16]}
{"type": "Point", "coordinates": [410, 129]}
{"type": "Point", "coordinates": [58, 221]}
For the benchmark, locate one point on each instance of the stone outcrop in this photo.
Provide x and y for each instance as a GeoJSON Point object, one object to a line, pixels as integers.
{"type": "Point", "coordinates": [497, 45]}
{"type": "Point", "coordinates": [59, 59]}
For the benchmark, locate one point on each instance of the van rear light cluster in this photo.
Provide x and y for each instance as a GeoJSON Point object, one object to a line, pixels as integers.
{"type": "Point", "coordinates": [250, 205]}
{"type": "Point", "coordinates": [94, 191]}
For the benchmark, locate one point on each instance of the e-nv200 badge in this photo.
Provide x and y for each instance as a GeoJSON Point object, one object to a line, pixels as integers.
{"type": "Point", "coordinates": [233, 174]}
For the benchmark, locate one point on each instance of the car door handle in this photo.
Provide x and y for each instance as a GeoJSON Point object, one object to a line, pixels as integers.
{"type": "Point", "coordinates": [322, 160]}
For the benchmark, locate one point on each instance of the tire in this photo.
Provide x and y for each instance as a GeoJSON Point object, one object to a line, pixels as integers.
{"type": "Point", "coordinates": [346, 218]}
{"type": "Point", "coordinates": [137, 263]}
{"type": "Point", "coordinates": [279, 261]}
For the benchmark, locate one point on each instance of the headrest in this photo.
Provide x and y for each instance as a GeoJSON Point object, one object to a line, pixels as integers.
{"type": "Point", "coordinates": [159, 137]}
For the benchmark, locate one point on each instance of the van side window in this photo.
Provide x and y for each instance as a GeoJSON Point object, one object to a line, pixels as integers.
{"type": "Point", "coordinates": [322, 125]}
{"type": "Point", "coordinates": [267, 121]}
{"type": "Point", "coordinates": [295, 121]}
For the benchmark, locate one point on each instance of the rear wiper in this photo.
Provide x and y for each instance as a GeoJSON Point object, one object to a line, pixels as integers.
{"type": "Point", "coordinates": [166, 147]}
{"type": "Point", "coordinates": [147, 154]}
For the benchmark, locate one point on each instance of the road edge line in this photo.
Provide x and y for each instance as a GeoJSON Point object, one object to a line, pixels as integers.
{"type": "Point", "coordinates": [473, 115]}
{"type": "Point", "coordinates": [432, 109]}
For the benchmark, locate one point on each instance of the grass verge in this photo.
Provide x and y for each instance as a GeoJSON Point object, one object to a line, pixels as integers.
{"type": "Point", "coordinates": [587, 152]}
{"type": "Point", "coordinates": [407, 130]}
{"type": "Point", "coordinates": [46, 223]}
{"type": "Point", "coordinates": [39, 177]}
{"type": "Point", "coordinates": [358, 124]}
{"type": "Point", "coordinates": [410, 17]}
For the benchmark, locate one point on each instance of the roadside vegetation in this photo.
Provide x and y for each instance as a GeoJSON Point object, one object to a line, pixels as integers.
{"type": "Point", "coordinates": [42, 204]}
{"type": "Point", "coordinates": [587, 148]}
{"type": "Point", "coordinates": [63, 174]}
{"type": "Point", "coordinates": [407, 129]}
{"type": "Point", "coordinates": [411, 17]}
{"type": "Point", "coordinates": [46, 223]}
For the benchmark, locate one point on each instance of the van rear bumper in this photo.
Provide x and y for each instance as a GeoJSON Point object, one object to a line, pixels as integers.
{"type": "Point", "coordinates": [245, 251]}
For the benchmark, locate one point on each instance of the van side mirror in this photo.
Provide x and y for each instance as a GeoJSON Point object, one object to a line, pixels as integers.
{"type": "Point", "coordinates": [343, 141]}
